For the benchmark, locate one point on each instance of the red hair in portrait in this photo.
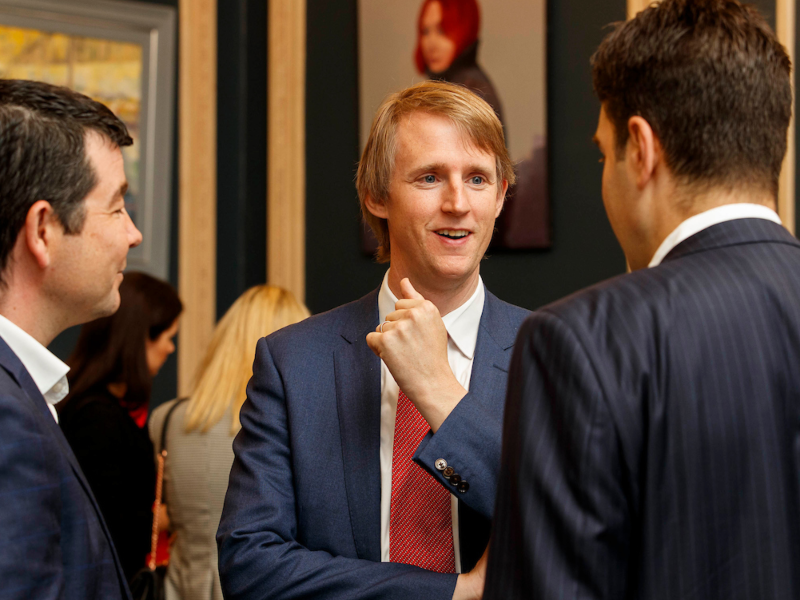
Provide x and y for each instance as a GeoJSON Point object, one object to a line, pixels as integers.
{"type": "Point", "coordinates": [461, 20]}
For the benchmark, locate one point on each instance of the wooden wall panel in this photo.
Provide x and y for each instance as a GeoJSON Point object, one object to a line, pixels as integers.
{"type": "Point", "coordinates": [634, 6]}
{"type": "Point", "coordinates": [785, 27]}
{"type": "Point", "coordinates": [197, 227]}
{"type": "Point", "coordinates": [286, 196]}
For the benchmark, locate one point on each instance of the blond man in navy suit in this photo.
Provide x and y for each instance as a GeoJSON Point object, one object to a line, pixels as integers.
{"type": "Point", "coordinates": [318, 505]}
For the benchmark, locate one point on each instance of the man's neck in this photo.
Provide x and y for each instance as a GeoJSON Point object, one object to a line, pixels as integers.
{"type": "Point", "coordinates": [27, 311]}
{"type": "Point", "coordinates": [445, 297]}
{"type": "Point", "coordinates": [675, 212]}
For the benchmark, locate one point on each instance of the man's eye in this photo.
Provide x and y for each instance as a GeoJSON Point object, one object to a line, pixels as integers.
{"type": "Point", "coordinates": [429, 179]}
{"type": "Point", "coordinates": [477, 180]}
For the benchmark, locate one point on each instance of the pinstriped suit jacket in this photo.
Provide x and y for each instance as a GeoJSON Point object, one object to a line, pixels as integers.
{"type": "Point", "coordinates": [652, 431]}
{"type": "Point", "coordinates": [53, 540]}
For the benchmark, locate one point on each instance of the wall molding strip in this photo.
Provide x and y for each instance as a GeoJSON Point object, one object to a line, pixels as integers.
{"type": "Point", "coordinates": [286, 193]}
{"type": "Point", "coordinates": [197, 222]}
{"type": "Point", "coordinates": [785, 25]}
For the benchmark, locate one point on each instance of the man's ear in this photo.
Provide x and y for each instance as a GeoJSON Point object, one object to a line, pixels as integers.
{"type": "Point", "coordinates": [376, 207]}
{"type": "Point", "coordinates": [41, 229]}
{"type": "Point", "coordinates": [644, 150]}
{"type": "Point", "coordinates": [501, 198]}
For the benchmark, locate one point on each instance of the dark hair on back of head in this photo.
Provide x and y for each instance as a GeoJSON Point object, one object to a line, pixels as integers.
{"type": "Point", "coordinates": [112, 349]}
{"type": "Point", "coordinates": [42, 153]}
{"type": "Point", "coordinates": [711, 79]}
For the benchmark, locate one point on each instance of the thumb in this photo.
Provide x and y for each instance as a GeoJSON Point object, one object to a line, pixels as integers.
{"type": "Point", "coordinates": [409, 293]}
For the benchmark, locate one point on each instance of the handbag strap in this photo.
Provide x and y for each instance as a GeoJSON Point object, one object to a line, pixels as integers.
{"type": "Point", "coordinates": [167, 417]}
{"type": "Point", "coordinates": [162, 457]}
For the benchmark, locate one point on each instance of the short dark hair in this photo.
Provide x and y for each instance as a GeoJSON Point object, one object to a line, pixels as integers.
{"type": "Point", "coordinates": [112, 349]}
{"type": "Point", "coordinates": [42, 153]}
{"type": "Point", "coordinates": [711, 79]}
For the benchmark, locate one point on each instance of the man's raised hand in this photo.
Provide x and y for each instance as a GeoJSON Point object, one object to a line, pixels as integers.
{"type": "Point", "coordinates": [413, 344]}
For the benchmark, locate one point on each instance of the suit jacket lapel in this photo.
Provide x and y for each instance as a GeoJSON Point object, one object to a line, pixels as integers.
{"type": "Point", "coordinates": [11, 363]}
{"type": "Point", "coordinates": [358, 396]}
{"type": "Point", "coordinates": [495, 338]}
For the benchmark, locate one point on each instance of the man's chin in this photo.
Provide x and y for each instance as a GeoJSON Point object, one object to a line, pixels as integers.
{"type": "Point", "coordinates": [109, 306]}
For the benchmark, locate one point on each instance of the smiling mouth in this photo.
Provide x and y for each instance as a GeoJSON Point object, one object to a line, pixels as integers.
{"type": "Point", "coordinates": [453, 234]}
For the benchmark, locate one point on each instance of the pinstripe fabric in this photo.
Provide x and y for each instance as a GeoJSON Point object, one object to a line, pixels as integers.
{"type": "Point", "coordinates": [652, 431]}
{"type": "Point", "coordinates": [195, 480]}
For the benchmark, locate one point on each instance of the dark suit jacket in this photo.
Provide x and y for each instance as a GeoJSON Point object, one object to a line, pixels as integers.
{"type": "Point", "coordinates": [53, 541]}
{"type": "Point", "coordinates": [302, 512]}
{"type": "Point", "coordinates": [652, 432]}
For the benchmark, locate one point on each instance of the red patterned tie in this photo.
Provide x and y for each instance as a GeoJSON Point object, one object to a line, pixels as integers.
{"type": "Point", "coordinates": [420, 522]}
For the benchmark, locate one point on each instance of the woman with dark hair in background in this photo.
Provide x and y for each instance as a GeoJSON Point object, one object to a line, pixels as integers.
{"type": "Point", "coordinates": [111, 371]}
{"type": "Point", "coordinates": [447, 47]}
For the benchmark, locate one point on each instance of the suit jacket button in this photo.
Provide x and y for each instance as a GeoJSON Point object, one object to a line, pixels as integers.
{"type": "Point", "coordinates": [462, 487]}
{"type": "Point", "coordinates": [455, 479]}
{"type": "Point", "coordinates": [441, 464]}
{"type": "Point", "coordinates": [449, 472]}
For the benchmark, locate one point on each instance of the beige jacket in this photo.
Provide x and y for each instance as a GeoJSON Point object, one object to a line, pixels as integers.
{"type": "Point", "coordinates": [195, 481]}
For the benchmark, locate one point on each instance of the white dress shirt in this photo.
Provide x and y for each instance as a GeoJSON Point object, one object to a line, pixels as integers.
{"type": "Point", "coordinates": [713, 216]}
{"type": "Point", "coordinates": [462, 328]}
{"type": "Point", "coordinates": [47, 371]}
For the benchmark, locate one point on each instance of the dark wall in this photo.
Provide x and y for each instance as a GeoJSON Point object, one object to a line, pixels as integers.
{"type": "Point", "coordinates": [242, 149]}
{"type": "Point", "coordinates": [584, 249]}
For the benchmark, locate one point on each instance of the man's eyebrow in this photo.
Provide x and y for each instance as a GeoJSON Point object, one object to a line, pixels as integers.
{"type": "Point", "coordinates": [123, 189]}
{"type": "Point", "coordinates": [429, 167]}
{"type": "Point", "coordinates": [443, 167]}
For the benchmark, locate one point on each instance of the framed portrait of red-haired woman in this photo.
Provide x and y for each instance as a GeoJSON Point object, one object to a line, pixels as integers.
{"type": "Point", "coordinates": [495, 48]}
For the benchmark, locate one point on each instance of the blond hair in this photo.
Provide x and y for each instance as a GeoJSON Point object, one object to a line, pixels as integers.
{"type": "Point", "coordinates": [228, 364]}
{"type": "Point", "coordinates": [473, 117]}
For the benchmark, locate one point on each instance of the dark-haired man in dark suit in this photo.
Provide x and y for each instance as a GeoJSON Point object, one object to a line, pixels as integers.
{"type": "Point", "coordinates": [652, 431]}
{"type": "Point", "coordinates": [64, 238]}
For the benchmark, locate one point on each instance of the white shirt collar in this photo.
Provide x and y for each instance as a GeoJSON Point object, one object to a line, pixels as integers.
{"type": "Point", "coordinates": [713, 216]}
{"type": "Point", "coordinates": [462, 324]}
{"type": "Point", "coordinates": [47, 371]}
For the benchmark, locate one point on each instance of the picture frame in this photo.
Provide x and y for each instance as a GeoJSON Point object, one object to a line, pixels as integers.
{"type": "Point", "coordinates": [121, 53]}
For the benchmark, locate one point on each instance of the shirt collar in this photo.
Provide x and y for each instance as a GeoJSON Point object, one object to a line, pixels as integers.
{"type": "Point", "coordinates": [713, 216]}
{"type": "Point", "coordinates": [44, 367]}
{"type": "Point", "coordinates": [462, 324]}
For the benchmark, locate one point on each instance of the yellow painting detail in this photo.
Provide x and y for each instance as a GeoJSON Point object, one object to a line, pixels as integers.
{"type": "Point", "coordinates": [108, 71]}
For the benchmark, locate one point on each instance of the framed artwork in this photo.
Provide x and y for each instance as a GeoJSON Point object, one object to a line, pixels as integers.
{"type": "Point", "coordinates": [497, 49]}
{"type": "Point", "coordinates": [121, 54]}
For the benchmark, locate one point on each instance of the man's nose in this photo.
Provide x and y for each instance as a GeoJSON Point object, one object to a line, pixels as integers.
{"type": "Point", "coordinates": [134, 235]}
{"type": "Point", "coordinates": [455, 201]}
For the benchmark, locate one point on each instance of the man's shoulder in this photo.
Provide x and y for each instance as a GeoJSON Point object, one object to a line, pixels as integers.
{"type": "Point", "coordinates": [516, 314]}
{"type": "Point", "coordinates": [328, 327]}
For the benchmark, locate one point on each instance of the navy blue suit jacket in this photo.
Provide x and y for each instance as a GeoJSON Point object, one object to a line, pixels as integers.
{"type": "Point", "coordinates": [652, 432]}
{"type": "Point", "coordinates": [53, 541]}
{"type": "Point", "coordinates": [302, 512]}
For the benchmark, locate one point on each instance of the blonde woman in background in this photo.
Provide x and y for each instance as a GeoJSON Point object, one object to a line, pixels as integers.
{"type": "Point", "coordinates": [200, 434]}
